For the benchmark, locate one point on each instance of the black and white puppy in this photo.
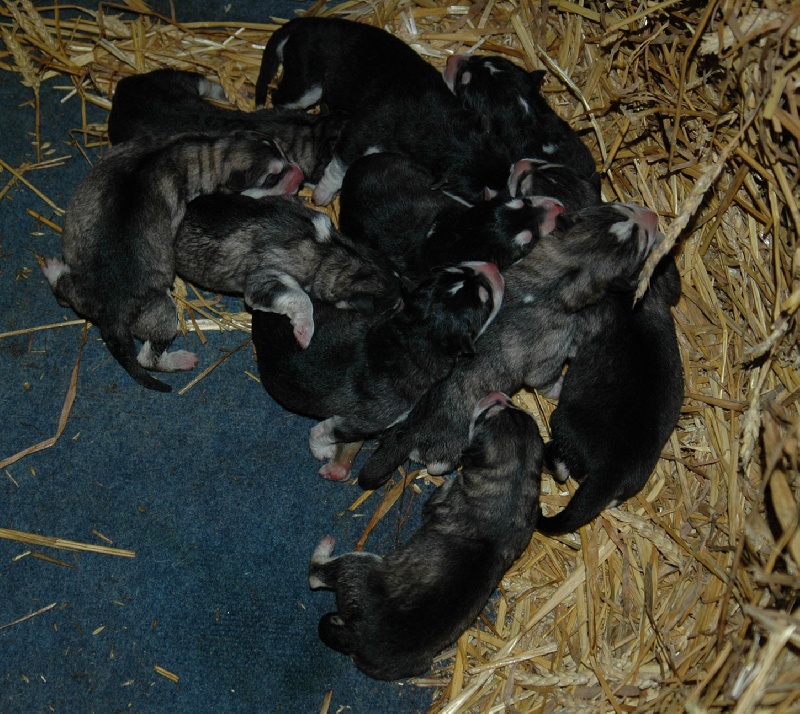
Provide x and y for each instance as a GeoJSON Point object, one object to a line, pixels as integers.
{"type": "Point", "coordinates": [509, 99]}
{"type": "Point", "coordinates": [361, 374]}
{"type": "Point", "coordinates": [171, 101]}
{"type": "Point", "coordinates": [534, 177]}
{"type": "Point", "coordinates": [396, 613]}
{"type": "Point", "coordinates": [276, 252]}
{"type": "Point", "coordinates": [619, 403]}
{"type": "Point", "coordinates": [389, 202]}
{"type": "Point", "coordinates": [394, 99]}
{"type": "Point", "coordinates": [119, 233]}
{"type": "Point", "coordinates": [556, 300]}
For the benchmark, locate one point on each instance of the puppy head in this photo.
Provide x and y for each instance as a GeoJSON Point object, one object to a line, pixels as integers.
{"type": "Point", "coordinates": [456, 305]}
{"type": "Point", "coordinates": [488, 84]}
{"type": "Point", "coordinates": [510, 228]}
{"type": "Point", "coordinates": [501, 434]}
{"type": "Point", "coordinates": [258, 167]}
{"type": "Point", "coordinates": [534, 177]}
{"type": "Point", "coordinates": [602, 251]}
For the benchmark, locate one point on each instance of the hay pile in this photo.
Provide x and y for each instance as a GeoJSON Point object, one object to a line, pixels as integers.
{"type": "Point", "coordinates": [685, 597]}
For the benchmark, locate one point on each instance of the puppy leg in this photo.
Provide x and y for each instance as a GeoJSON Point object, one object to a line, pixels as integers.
{"type": "Point", "coordinates": [156, 327]}
{"type": "Point", "coordinates": [320, 576]}
{"type": "Point", "coordinates": [321, 440]}
{"type": "Point", "coordinates": [330, 183]}
{"type": "Point", "coordinates": [338, 468]}
{"type": "Point", "coordinates": [282, 294]}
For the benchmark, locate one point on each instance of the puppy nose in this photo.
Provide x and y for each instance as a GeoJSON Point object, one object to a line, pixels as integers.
{"type": "Point", "coordinates": [644, 217]}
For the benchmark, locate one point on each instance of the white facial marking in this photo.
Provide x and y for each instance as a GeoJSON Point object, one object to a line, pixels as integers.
{"type": "Point", "coordinates": [454, 289]}
{"type": "Point", "coordinates": [524, 104]}
{"type": "Point", "coordinates": [529, 298]}
{"type": "Point", "coordinates": [466, 77]}
{"type": "Point", "coordinates": [483, 294]}
{"type": "Point", "coordinates": [523, 238]}
{"type": "Point", "coordinates": [493, 68]}
{"type": "Point", "coordinates": [549, 148]}
{"type": "Point", "coordinates": [622, 229]}
{"type": "Point", "coordinates": [373, 150]}
{"type": "Point", "coordinates": [515, 203]}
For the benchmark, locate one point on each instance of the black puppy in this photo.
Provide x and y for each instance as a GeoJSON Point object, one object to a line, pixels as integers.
{"type": "Point", "coordinates": [619, 403]}
{"type": "Point", "coordinates": [555, 300]}
{"type": "Point", "coordinates": [509, 99]}
{"type": "Point", "coordinates": [361, 374]}
{"type": "Point", "coordinates": [395, 101]}
{"type": "Point", "coordinates": [395, 614]}
{"type": "Point", "coordinates": [171, 101]}
{"type": "Point", "coordinates": [119, 233]}
{"type": "Point", "coordinates": [534, 177]}
{"type": "Point", "coordinates": [276, 252]}
{"type": "Point", "coordinates": [389, 202]}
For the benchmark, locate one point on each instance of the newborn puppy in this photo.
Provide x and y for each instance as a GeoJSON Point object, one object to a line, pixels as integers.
{"type": "Point", "coordinates": [533, 177]}
{"type": "Point", "coordinates": [361, 374]}
{"type": "Point", "coordinates": [510, 101]}
{"type": "Point", "coordinates": [619, 403]}
{"type": "Point", "coordinates": [119, 233]}
{"type": "Point", "coordinates": [388, 201]}
{"type": "Point", "coordinates": [556, 299]}
{"type": "Point", "coordinates": [394, 100]}
{"type": "Point", "coordinates": [395, 614]}
{"type": "Point", "coordinates": [171, 101]}
{"type": "Point", "coordinates": [276, 252]}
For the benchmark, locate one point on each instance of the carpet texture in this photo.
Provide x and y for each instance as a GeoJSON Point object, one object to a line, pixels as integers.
{"type": "Point", "coordinates": [215, 491]}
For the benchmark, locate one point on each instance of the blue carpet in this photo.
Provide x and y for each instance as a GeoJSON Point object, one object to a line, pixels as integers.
{"type": "Point", "coordinates": [215, 491]}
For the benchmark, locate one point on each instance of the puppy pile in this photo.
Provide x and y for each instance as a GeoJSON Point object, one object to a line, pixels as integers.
{"type": "Point", "coordinates": [474, 257]}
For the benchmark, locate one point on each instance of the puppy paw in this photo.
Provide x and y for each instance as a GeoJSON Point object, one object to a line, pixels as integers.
{"type": "Point", "coordinates": [303, 330]}
{"type": "Point", "coordinates": [323, 551]}
{"type": "Point", "coordinates": [178, 361]}
{"type": "Point", "coordinates": [333, 471]}
{"type": "Point", "coordinates": [53, 268]}
{"type": "Point", "coordinates": [320, 440]}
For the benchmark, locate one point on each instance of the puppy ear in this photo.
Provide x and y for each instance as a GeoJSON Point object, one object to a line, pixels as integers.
{"type": "Point", "coordinates": [468, 344]}
{"type": "Point", "coordinates": [537, 77]}
{"type": "Point", "coordinates": [241, 180]}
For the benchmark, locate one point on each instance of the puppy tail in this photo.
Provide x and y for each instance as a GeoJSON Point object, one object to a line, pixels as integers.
{"type": "Point", "coordinates": [335, 634]}
{"type": "Point", "coordinates": [589, 501]}
{"type": "Point", "coordinates": [122, 347]}
{"type": "Point", "coordinates": [393, 450]}
{"type": "Point", "coordinates": [270, 61]}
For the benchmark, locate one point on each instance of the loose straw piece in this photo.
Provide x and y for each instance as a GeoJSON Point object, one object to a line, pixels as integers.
{"type": "Point", "coordinates": [62, 543]}
{"type": "Point", "coordinates": [29, 616]}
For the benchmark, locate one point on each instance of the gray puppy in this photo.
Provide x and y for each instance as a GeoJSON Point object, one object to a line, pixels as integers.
{"type": "Point", "coordinates": [276, 252]}
{"type": "Point", "coordinates": [119, 231]}
{"type": "Point", "coordinates": [395, 614]}
{"type": "Point", "coordinates": [171, 101]}
{"type": "Point", "coordinates": [555, 301]}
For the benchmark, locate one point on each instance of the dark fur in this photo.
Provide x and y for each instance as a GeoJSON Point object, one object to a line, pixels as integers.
{"type": "Point", "coordinates": [556, 299]}
{"type": "Point", "coordinates": [532, 177]}
{"type": "Point", "coordinates": [395, 101]}
{"type": "Point", "coordinates": [274, 250]}
{"type": "Point", "coordinates": [389, 202]}
{"type": "Point", "coordinates": [619, 403]}
{"type": "Point", "coordinates": [170, 101]}
{"type": "Point", "coordinates": [509, 99]}
{"type": "Point", "coordinates": [395, 614]}
{"type": "Point", "coordinates": [119, 230]}
{"type": "Point", "coordinates": [362, 374]}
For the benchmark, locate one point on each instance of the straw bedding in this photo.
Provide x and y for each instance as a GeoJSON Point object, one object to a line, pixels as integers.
{"type": "Point", "coordinates": [683, 599]}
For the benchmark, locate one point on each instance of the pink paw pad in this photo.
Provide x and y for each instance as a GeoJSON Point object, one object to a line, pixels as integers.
{"type": "Point", "coordinates": [335, 472]}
